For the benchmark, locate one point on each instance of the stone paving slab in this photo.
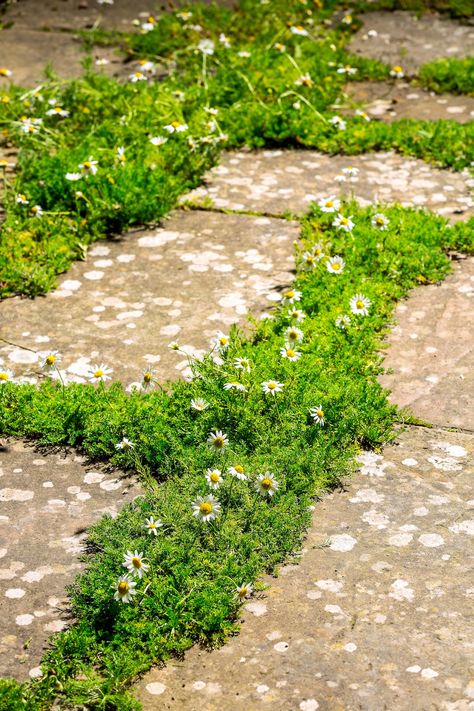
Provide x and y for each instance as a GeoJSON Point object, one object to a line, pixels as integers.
{"type": "Point", "coordinates": [431, 350]}
{"type": "Point", "coordinates": [390, 101]}
{"type": "Point", "coordinates": [196, 275]}
{"type": "Point", "coordinates": [409, 41]}
{"type": "Point", "coordinates": [275, 181]}
{"type": "Point", "coordinates": [378, 619]}
{"type": "Point", "coordinates": [46, 503]}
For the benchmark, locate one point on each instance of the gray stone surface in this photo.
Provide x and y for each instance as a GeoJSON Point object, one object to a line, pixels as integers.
{"type": "Point", "coordinates": [378, 619]}
{"type": "Point", "coordinates": [46, 505]}
{"type": "Point", "coordinates": [390, 101]}
{"type": "Point", "coordinates": [431, 351]}
{"type": "Point", "coordinates": [409, 41]}
{"type": "Point", "coordinates": [275, 181]}
{"type": "Point", "coordinates": [198, 274]}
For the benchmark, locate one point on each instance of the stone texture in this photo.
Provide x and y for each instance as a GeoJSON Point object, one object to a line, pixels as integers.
{"type": "Point", "coordinates": [278, 181]}
{"type": "Point", "coordinates": [199, 273]}
{"type": "Point", "coordinates": [431, 351]}
{"type": "Point", "coordinates": [46, 503]}
{"type": "Point", "coordinates": [378, 613]}
{"type": "Point", "coordinates": [390, 101]}
{"type": "Point", "coordinates": [410, 41]}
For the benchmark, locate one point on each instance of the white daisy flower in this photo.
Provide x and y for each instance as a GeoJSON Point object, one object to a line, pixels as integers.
{"type": "Point", "coordinates": [344, 223]}
{"type": "Point", "coordinates": [335, 265]}
{"type": "Point", "coordinates": [173, 346]}
{"type": "Point", "coordinates": [296, 315]}
{"type": "Point", "coordinates": [243, 364]}
{"type": "Point", "coordinates": [330, 204]}
{"type": "Point", "coordinates": [234, 385]}
{"type": "Point", "coordinates": [206, 508]}
{"type": "Point", "coordinates": [149, 25]}
{"type": "Point", "coordinates": [238, 472]}
{"type": "Point", "coordinates": [137, 76]}
{"type": "Point", "coordinates": [304, 80]}
{"type": "Point", "coordinates": [124, 589]}
{"type": "Point", "coordinates": [184, 15]}
{"type": "Point", "coordinates": [206, 46]}
{"type": "Point", "coordinates": [397, 72]}
{"type": "Point", "coordinates": [221, 341]}
{"type": "Point", "coordinates": [380, 220]}
{"type": "Point", "coordinates": [176, 127]}
{"type": "Point", "coordinates": [293, 335]}
{"type": "Point", "coordinates": [30, 125]}
{"type": "Point", "coordinates": [146, 66]}
{"type": "Point", "coordinates": [105, 2]}
{"type": "Point", "coordinates": [309, 261]}
{"type": "Point", "coordinates": [218, 440]}
{"type": "Point", "coordinates": [6, 375]}
{"type": "Point", "coordinates": [89, 166]}
{"type": "Point", "coordinates": [362, 114]}
{"type": "Point", "coordinates": [37, 210]}
{"type": "Point", "coordinates": [158, 140]}
{"type": "Point", "coordinates": [266, 484]}
{"type": "Point", "coordinates": [290, 354]}
{"type": "Point", "coordinates": [299, 30]}
{"type": "Point", "coordinates": [73, 176]}
{"type": "Point", "coordinates": [244, 53]}
{"type": "Point", "coordinates": [271, 387]}
{"type": "Point", "coordinates": [318, 251]}
{"type": "Point", "coordinates": [49, 361]}
{"type": "Point", "coordinates": [360, 305]}
{"type": "Point", "coordinates": [135, 564]}
{"type": "Point", "coordinates": [351, 171]}
{"type": "Point", "coordinates": [4, 72]}
{"type": "Point", "coordinates": [121, 154]}
{"type": "Point", "coordinates": [148, 379]}
{"type": "Point", "coordinates": [243, 591]}
{"type": "Point", "coordinates": [224, 41]}
{"type": "Point", "coordinates": [347, 20]}
{"type": "Point", "coordinates": [338, 122]}
{"type": "Point", "coordinates": [99, 373]}
{"type": "Point", "coordinates": [291, 296]}
{"type": "Point", "coordinates": [199, 404]}
{"type": "Point", "coordinates": [280, 47]}
{"type": "Point", "coordinates": [342, 321]}
{"type": "Point", "coordinates": [125, 444]}
{"type": "Point", "coordinates": [152, 525]}
{"type": "Point", "coordinates": [22, 199]}
{"type": "Point", "coordinates": [346, 70]}
{"type": "Point", "coordinates": [214, 478]}
{"type": "Point", "coordinates": [340, 178]}
{"type": "Point", "coordinates": [101, 62]}
{"type": "Point", "coordinates": [317, 413]}
{"type": "Point", "coordinates": [57, 111]}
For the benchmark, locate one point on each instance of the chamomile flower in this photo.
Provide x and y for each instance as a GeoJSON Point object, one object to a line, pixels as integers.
{"type": "Point", "coordinates": [137, 76]}
{"type": "Point", "coordinates": [206, 508]}
{"type": "Point", "coordinates": [318, 251]}
{"type": "Point", "coordinates": [234, 385]}
{"type": "Point", "coordinates": [146, 66]}
{"type": "Point", "coordinates": [330, 204]}
{"type": "Point", "coordinates": [340, 178]}
{"type": "Point", "coordinates": [206, 46]}
{"type": "Point", "coordinates": [338, 122]}
{"type": "Point", "coordinates": [158, 140]}
{"type": "Point", "coordinates": [37, 210]}
{"type": "Point", "coordinates": [309, 261]}
{"type": "Point", "coordinates": [135, 563]}
{"type": "Point", "coordinates": [272, 387]}
{"type": "Point", "coordinates": [99, 373]}
{"type": "Point", "coordinates": [6, 375]}
{"type": "Point", "coordinates": [335, 265]}
{"type": "Point", "coordinates": [173, 346]}
{"type": "Point", "coordinates": [238, 472]}
{"type": "Point", "coordinates": [214, 478]}
{"type": "Point", "coordinates": [124, 589]}
{"type": "Point", "coordinates": [347, 20]}
{"type": "Point", "coordinates": [360, 305]}
{"type": "Point", "coordinates": [49, 361]}
{"type": "Point", "coordinates": [243, 591]}
{"type": "Point", "coordinates": [176, 127]}
{"type": "Point", "coordinates": [351, 171]}
{"type": "Point", "coordinates": [296, 315]}
{"type": "Point", "coordinates": [149, 25]}
{"type": "Point", "coordinates": [291, 296]}
{"type": "Point", "coordinates": [57, 111]}
{"type": "Point", "coordinates": [362, 114]}
{"type": "Point", "coordinates": [148, 379]}
{"type": "Point", "coordinates": [293, 335]}
{"type": "Point", "coordinates": [343, 322]}
{"type": "Point", "coordinates": [343, 223]}
{"type": "Point", "coordinates": [121, 154]}
{"type": "Point", "coordinates": [221, 341]}
{"type": "Point", "coordinates": [224, 41]}
{"type": "Point", "coordinates": [299, 30]}
{"type": "Point", "coordinates": [125, 444]}
{"type": "Point", "coordinates": [152, 525]}
{"type": "Point", "coordinates": [317, 413]}
{"type": "Point", "coordinates": [217, 440]}
{"type": "Point", "coordinates": [266, 484]}
{"type": "Point", "coordinates": [89, 167]}
{"type": "Point", "coordinates": [199, 404]}
{"type": "Point", "coordinates": [280, 47]}
{"type": "Point", "coordinates": [397, 72]}
{"type": "Point", "coordinates": [290, 354]}
{"type": "Point", "coordinates": [30, 125]}
{"type": "Point", "coordinates": [73, 176]}
{"type": "Point", "coordinates": [22, 199]}
{"type": "Point", "coordinates": [4, 72]}
{"type": "Point", "coordinates": [347, 70]}
{"type": "Point", "coordinates": [304, 80]}
{"type": "Point", "coordinates": [380, 221]}
{"type": "Point", "coordinates": [243, 364]}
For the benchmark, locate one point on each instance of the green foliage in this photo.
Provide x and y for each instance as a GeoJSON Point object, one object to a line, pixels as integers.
{"type": "Point", "coordinates": [189, 593]}
{"type": "Point", "coordinates": [456, 8]}
{"type": "Point", "coordinates": [449, 75]}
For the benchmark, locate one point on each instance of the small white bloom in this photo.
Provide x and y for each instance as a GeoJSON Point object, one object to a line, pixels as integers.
{"type": "Point", "coordinates": [30, 125]}
{"type": "Point", "coordinates": [296, 315]}
{"type": "Point", "coordinates": [148, 379]}
{"type": "Point", "coordinates": [135, 564]}
{"type": "Point", "coordinates": [6, 375]}
{"type": "Point", "coordinates": [221, 341]}
{"type": "Point", "coordinates": [340, 178]}
{"type": "Point", "coordinates": [89, 166]}
{"type": "Point", "coordinates": [37, 210]}
{"type": "Point", "coordinates": [234, 385]}
{"type": "Point", "coordinates": [317, 413]}
{"type": "Point", "coordinates": [206, 508]}
{"type": "Point", "coordinates": [218, 440]}
{"type": "Point", "coordinates": [304, 80]}
{"type": "Point", "coordinates": [380, 220]}
{"type": "Point", "coordinates": [99, 373]}
{"type": "Point", "coordinates": [73, 176]}
{"type": "Point", "coordinates": [330, 204]}
{"type": "Point", "coordinates": [124, 589]}
{"type": "Point", "coordinates": [293, 335]}
{"type": "Point", "coordinates": [146, 66]}
{"type": "Point", "coordinates": [360, 305]}
{"type": "Point", "coordinates": [362, 114]}
{"type": "Point", "coordinates": [335, 265]}
{"type": "Point", "coordinates": [125, 444]}
{"type": "Point", "coordinates": [299, 30]}
{"type": "Point", "coordinates": [137, 76]}
{"type": "Point", "coordinates": [158, 140]}
{"type": "Point", "coordinates": [372, 33]}
{"type": "Point", "coordinates": [199, 404]}
{"type": "Point", "coordinates": [347, 20]}
{"type": "Point", "coordinates": [102, 62]}
{"type": "Point", "coordinates": [347, 70]}
{"type": "Point", "coordinates": [206, 46]}
{"type": "Point", "coordinates": [342, 322]}
{"type": "Point", "coordinates": [173, 346]}
{"type": "Point", "coordinates": [266, 484]}
{"type": "Point", "coordinates": [49, 361]}
{"type": "Point", "coordinates": [290, 354]}
{"type": "Point", "coordinates": [176, 127]}
{"type": "Point", "coordinates": [338, 122]}
{"type": "Point", "coordinates": [224, 40]}
{"type": "Point", "coordinates": [351, 171]}
{"type": "Point", "coordinates": [271, 387]}
{"type": "Point", "coordinates": [397, 72]}
{"type": "Point", "coordinates": [121, 154]}
{"type": "Point", "coordinates": [291, 296]}
{"type": "Point", "coordinates": [22, 199]}
{"type": "Point", "coordinates": [244, 591]}
{"type": "Point", "coordinates": [152, 525]}
{"type": "Point", "coordinates": [57, 111]}
{"type": "Point", "coordinates": [244, 53]}
{"type": "Point", "coordinates": [280, 47]}
{"type": "Point", "coordinates": [214, 478]}
{"type": "Point", "coordinates": [243, 364]}
{"type": "Point", "coordinates": [4, 72]}
{"type": "Point", "coordinates": [238, 472]}
{"type": "Point", "coordinates": [343, 223]}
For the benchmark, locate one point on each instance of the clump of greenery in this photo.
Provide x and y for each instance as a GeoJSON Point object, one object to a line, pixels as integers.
{"type": "Point", "coordinates": [462, 9]}
{"type": "Point", "coordinates": [265, 74]}
{"type": "Point", "coordinates": [449, 75]}
{"type": "Point", "coordinates": [189, 594]}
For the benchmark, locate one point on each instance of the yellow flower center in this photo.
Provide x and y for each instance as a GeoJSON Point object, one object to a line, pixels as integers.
{"type": "Point", "coordinates": [299, 27]}
{"type": "Point", "coordinates": [136, 562]}
{"type": "Point", "coordinates": [152, 525]}
{"type": "Point", "coordinates": [223, 341]}
{"type": "Point", "coordinates": [320, 413]}
{"type": "Point", "coordinates": [3, 71]}
{"type": "Point", "coordinates": [239, 469]}
{"type": "Point", "coordinates": [292, 335]}
{"type": "Point", "coordinates": [175, 124]}
{"type": "Point", "coordinates": [51, 360]}
{"type": "Point", "coordinates": [360, 304]}
{"type": "Point", "coordinates": [266, 483]}
{"type": "Point", "coordinates": [3, 376]}
{"type": "Point", "coordinates": [271, 386]}
{"type": "Point", "coordinates": [344, 221]}
{"type": "Point", "coordinates": [87, 164]}
{"type": "Point", "coordinates": [243, 592]}
{"type": "Point", "coordinates": [290, 353]}
{"type": "Point", "coordinates": [205, 508]}
{"type": "Point", "coordinates": [310, 259]}
{"type": "Point", "coordinates": [329, 203]}
{"type": "Point", "coordinates": [214, 478]}
{"type": "Point", "coordinates": [397, 69]}
{"type": "Point", "coordinates": [336, 266]}
{"type": "Point", "coordinates": [123, 587]}
{"type": "Point", "coordinates": [290, 294]}
{"type": "Point", "coordinates": [98, 373]}
{"type": "Point", "coordinates": [380, 221]}
{"type": "Point", "coordinates": [147, 377]}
